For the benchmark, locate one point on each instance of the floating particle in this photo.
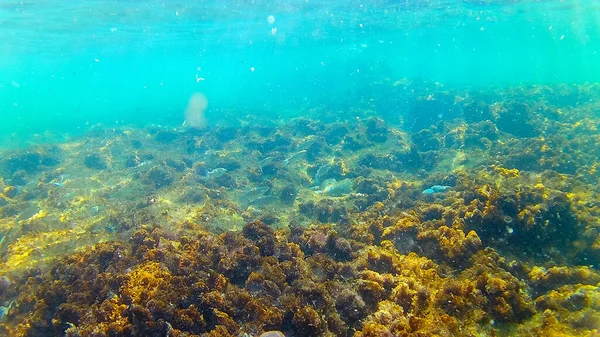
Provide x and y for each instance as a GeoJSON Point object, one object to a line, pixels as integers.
{"type": "Point", "coordinates": [271, 19]}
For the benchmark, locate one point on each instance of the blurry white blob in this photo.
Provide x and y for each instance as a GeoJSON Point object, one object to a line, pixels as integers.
{"type": "Point", "coordinates": [271, 19]}
{"type": "Point", "coordinates": [273, 31]}
{"type": "Point", "coordinates": [194, 113]}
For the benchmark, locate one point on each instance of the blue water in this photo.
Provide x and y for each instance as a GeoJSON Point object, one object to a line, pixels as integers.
{"type": "Point", "coordinates": [68, 65]}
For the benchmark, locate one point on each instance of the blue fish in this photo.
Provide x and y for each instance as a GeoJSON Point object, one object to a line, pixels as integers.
{"type": "Point", "coordinates": [436, 189]}
{"type": "Point", "coordinates": [216, 173]}
{"type": "Point", "coordinates": [60, 182]}
{"type": "Point", "coordinates": [4, 311]}
{"type": "Point", "coordinates": [439, 188]}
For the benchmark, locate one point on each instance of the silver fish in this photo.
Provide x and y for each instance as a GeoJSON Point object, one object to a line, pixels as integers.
{"type": "Point", "coordinates": [264, 201]}
{"type": "Point", "coordinates": [321, 172]}
{"type": "Point", "coordinates": [142, 164]}
{"type": "Point", "coordinates": [309, 141]}
{"type": "Point", "coordinates": [294, 157]}
{"type": "Point", "coordinates": [333, 188]}
{"type": "Point", "coordinates": [60, 182]}
{"type": "Point", "coordinates": [216, 173]}
{"type": "Point", "coordinates": [251, 195]}
{"type": "Point", "coordinates": [266, 161]}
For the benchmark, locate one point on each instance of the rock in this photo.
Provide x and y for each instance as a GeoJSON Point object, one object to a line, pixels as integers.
{"type": "Point", "coordinates": [95, 162]}
{"type": "Point", "coordinates": [476, 111]}
{"type": "Point", "coordinates": [288, 194]}
{"type": "Point", "coordinates": [427, 140]}
{"type": "Point", "coordinates": [515, 118]}
{"type": "Point", "coordinates": [164, 136]}
{"type": "Point", "coordinates": [377, 131]}
{"type": "Point", "coordinates": [158, 178]}
{"type": "Point", "coordinates": [178, 165]}
{"type": "Point", "coordinates": [30, 162]}
{"type": "Point", "coordinates": [225, 134]}
{"type": "Point", "coordinates": [11, 192]}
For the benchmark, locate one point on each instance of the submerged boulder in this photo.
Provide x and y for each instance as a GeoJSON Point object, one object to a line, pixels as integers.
{"type": "Point", "coordinates": [95, 161]}
{"type": "Point", "coordinates": [158, 178]}
{"type": "Point", "coordinates": [517, 119]}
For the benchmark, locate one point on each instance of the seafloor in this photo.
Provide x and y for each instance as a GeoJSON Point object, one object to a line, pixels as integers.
{"type": "Point", "coordinates": [475, 215]}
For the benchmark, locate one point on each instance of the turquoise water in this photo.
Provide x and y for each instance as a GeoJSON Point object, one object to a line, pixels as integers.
{"type": "Point", "coordinates": [67, 65]}
{"type": "Point", "coordinates": [443, 179]}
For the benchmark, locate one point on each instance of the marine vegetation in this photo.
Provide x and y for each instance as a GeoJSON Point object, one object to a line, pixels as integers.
{"type": "Point", "coordinates": [483, 222]}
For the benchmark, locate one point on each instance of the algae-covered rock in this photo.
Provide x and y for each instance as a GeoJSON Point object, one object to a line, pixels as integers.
{"type": "Point", "coordinates": [158, 177]}
{"type": "Point", "coordinates": [517, 119]}
{"type": "Point", "coordinates": [95, 161]}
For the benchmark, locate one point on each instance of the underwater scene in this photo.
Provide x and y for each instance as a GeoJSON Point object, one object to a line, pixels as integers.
{"type": "Point", "coordinates": [300, 168]}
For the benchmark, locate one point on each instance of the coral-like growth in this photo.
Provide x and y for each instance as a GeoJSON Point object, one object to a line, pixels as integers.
{"type": "Point", "coordinates": [233, 231]}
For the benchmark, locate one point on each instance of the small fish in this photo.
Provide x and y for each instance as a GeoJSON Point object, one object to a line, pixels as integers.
{"type": "Point", "coordinates": [216, 173]}
{"type": "Point", "coordinates": [328, 182]}
{"type": "Point", "coordinates": [4, 311]}
{"type": "Point", "coordinates": [439, 188]}
{"type": "Point", "coordinates": [266, 161]}
{"type": "Point", "coordinates": [294, 157]}
{"type": "Point", "coordinates": [264, 201]}
{"type": "Point", "coordinates": [436, 189]}
{"type": "Point", "coordinates": [211, 152]}
{"type": "Point", "coordinates": [254, 193]}
{"type": "Point", "coordinates": [309, 141]}
{"type": "Point", "coordinates": [142, 164]}
{"type": "Point", "coordinates": [60, 181]}
{"type": "Point", "coordinates": [333, 188]}
{"type": "Point", "coordinates": [94, 210]}
{"type": "Point", "coordinates": [273, 333]}
{"type": "Point", "coordinates": [321, 172]}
